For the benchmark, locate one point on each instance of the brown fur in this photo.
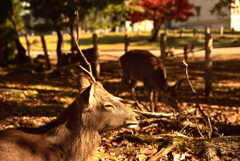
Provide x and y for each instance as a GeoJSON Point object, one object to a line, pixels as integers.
{"type": "Point", "coordinates": [141, 65]}
{"type": "Point", "coordinates": [74, 135]}
{"type": "Point", "coordinates": [69, 58]}
{"type": "Point", "coordinates": [188, 49]}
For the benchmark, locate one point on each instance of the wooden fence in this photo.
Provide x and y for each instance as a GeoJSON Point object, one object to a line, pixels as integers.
{"type": "Point", "coordinates": [163, 43]}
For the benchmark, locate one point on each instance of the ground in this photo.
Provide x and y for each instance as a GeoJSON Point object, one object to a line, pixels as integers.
{"type": "Point", "coordinates": [32, 99]}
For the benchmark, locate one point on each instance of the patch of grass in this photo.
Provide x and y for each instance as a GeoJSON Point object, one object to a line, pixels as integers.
{"type": "Point", "coordinates": [115, 41]}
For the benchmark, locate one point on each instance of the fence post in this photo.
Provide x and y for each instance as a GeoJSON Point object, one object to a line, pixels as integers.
{"type": "Point", "coordinates": [166, 31]}
{"type": "Point", "coordinates": [194, 32]}
{"type": "Point", "coordinates": [208, 30]}
{"type": "Point", "coordinates": [96, 64]}
{"type": "Point", "coordinates": [163, 46]}
{"type": "Point", "coordinates": [221, 30]}
{"type": "Point", "coordinates": [180, 32]}
{"type": "Point", "coordinates": [127, 41]}
{"type": "Point", "coordinates": [208, 64]}
{"type": "Point", "coordinates": [48, 64]}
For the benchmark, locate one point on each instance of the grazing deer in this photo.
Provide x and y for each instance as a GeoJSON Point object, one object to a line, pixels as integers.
{"type": "Point", "coordinates": [170, 51]}
{"type": "Point", "coordinates": [141, 65]}
{"type": "Point", "coordinates": [75, 134]}
{"type": "Point", "coordinates": [188, 49]}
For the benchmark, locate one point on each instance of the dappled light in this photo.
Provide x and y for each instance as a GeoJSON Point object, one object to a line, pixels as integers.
{"type": "Point", "coordinates": [31, 100]}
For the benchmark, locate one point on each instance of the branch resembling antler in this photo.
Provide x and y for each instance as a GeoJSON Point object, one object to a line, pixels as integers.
{"type": "Point", "coordinates": [206, 119]}
{"type": "Point", "coordinates": [90, 74]}
{"type": "Point", "coordinates": [76, 13]}
{"type": "Point", "coordinates": [81, 53]}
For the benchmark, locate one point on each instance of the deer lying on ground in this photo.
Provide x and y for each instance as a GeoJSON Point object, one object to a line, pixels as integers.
{"type": "Point", "coordinates": [141, 65]}
{"type": "Point", "coordinates": [75, 134]}
{"type": "Point", "coordinates": [170, 51]}
{"type": "Point", "coordinates": [69, 58]}
{"type": "Point", "coordinates": [188, 49]}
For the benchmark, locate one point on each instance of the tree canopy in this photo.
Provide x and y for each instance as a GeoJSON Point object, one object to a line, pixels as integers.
{"type": "Point", "coordinates": [161, 10]}
{"type": "Point", "coordinates": [219, 9]}
{"type": "Point", "coordinates": [61, 14]}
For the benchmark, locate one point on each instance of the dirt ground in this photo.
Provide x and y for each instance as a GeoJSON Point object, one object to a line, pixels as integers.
{"type": "Point", "coordinates": [32, 99]}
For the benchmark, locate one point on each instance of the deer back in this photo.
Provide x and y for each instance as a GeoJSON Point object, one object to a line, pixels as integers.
{"type": "Point", "coordinates": [144, 66]}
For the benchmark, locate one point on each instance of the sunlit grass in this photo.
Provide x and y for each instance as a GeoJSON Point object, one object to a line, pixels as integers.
{"type": "Point", "coordinates": [115, 41]}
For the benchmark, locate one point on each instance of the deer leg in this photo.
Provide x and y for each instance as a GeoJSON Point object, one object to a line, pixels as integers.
{"type": "Point", "coordinates": [185, 55]}
{"type": "Point", "coordinates": [155, 99]}
{"type": "Point", "coordinates": [150, 96]}
{"type": "Point", "coordinates": [193, 55]}
{"type": "Point", "coordinates": [133, 85]}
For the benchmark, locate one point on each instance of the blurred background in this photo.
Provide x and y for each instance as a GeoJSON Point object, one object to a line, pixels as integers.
{"type": "Point", "coordinates": [23, 21]}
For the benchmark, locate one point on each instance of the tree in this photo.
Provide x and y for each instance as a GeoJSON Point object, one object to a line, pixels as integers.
{"type": "Point", "coordinates": [220, 8]}
{"type": "Point", "coordinates": [61, 14]}
{"type": "Point", "coordinates": [10, 25]}
{"type": "Point", "coordinates": [53, 13]}
{"type": "Point", "coordinates": [159, 11]}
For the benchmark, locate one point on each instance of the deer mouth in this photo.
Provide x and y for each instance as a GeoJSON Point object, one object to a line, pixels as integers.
{"type": "Point", "coordinates": [131, 124]}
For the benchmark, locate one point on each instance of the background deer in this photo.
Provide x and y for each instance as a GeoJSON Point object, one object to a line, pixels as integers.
{"type": "Point", "coordinates": [75, 134]}
{"type": "Point", "coordinates": [141, 65]}
{"type": "Point", "coordinates": [188, 49]}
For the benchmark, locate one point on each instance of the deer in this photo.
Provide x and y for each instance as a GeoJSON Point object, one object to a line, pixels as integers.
{"type": "Point", "coordinates": [142, 65]}
{"type": "Point", "coordinates": [75, 134]}
{"type": "Point", "coordinates": [188, 49]}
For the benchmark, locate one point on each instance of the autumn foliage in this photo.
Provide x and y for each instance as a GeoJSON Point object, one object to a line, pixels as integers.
{"type": "Point", "coordinates": [160, 11]}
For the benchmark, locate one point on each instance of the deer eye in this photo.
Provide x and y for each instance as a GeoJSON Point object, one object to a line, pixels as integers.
{"type": "Point", "coordinates": [109, 106]}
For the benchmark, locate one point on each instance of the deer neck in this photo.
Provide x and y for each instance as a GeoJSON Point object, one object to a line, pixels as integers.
{"type": "Point", "coordinates": [72, 135]}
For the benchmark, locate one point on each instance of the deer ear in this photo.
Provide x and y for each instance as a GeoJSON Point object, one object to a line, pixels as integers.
{"type": "Point", "coordinates": [178, 85]}
{"type": "Point", "coordinates": [82, 82]}
{"type": "Point", "coordinates": [87, 97]}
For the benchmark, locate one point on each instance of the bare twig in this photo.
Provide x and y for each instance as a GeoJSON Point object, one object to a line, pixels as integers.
{"type": "Point", "coordinates": [199, 129]}
{"type": "Point", "coordinates": [164, 151]}
{"type": "Point", "coordinates": [154, 114]}
{"type": "Point", "coordinates": [206, 119]}
{"type": "Point", "coordinates": [142, 107]}
{"type": "Point", "coordinates": [81, 53]}
{"type": "Point", "coordinates": [174, 134]}
{"type": "Point", "coordinates": [90, 74]}
{"type": "Point", "coordinates": [184, 128]}
{"type": "Point", "coordinates": [149, 126]}
{"type": "Point", "coordinates": [210, 126]}
{"type": "Point", "coordinates": [76, 13]}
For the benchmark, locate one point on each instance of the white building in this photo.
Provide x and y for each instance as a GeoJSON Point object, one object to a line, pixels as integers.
{"type": "Point", "coordinates": [203, 17]}
{"type": "Point", "coordinates": [145, 25]}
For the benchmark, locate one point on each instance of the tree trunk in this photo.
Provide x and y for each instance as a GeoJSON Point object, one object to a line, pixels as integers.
{"type": "Point", "coordinates": [155, 32]}
{"type": "Point", "coordinates": [20, 49]}
{"type": "Point", "coordinates": [59, 47]}
{"type": "Point", "coordinates": [48, 64]}
{"type": "Point", "coordinates": [3, 62]}
{"type": "Point", "coordinates": [72, 32]}
{"type": "Point", "coordinates": [21, 52]}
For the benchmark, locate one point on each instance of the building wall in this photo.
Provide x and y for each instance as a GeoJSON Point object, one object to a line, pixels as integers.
{"type": "Point", "coordinates": [145, 25]}
{"type": "Point", "coordinates": [203, 17]}
{"type": "Point", "coordinates": [235, 16]}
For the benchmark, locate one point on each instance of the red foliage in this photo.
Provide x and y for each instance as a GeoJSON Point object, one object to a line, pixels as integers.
{"type": "Point", "coordinates": [161, 10]}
